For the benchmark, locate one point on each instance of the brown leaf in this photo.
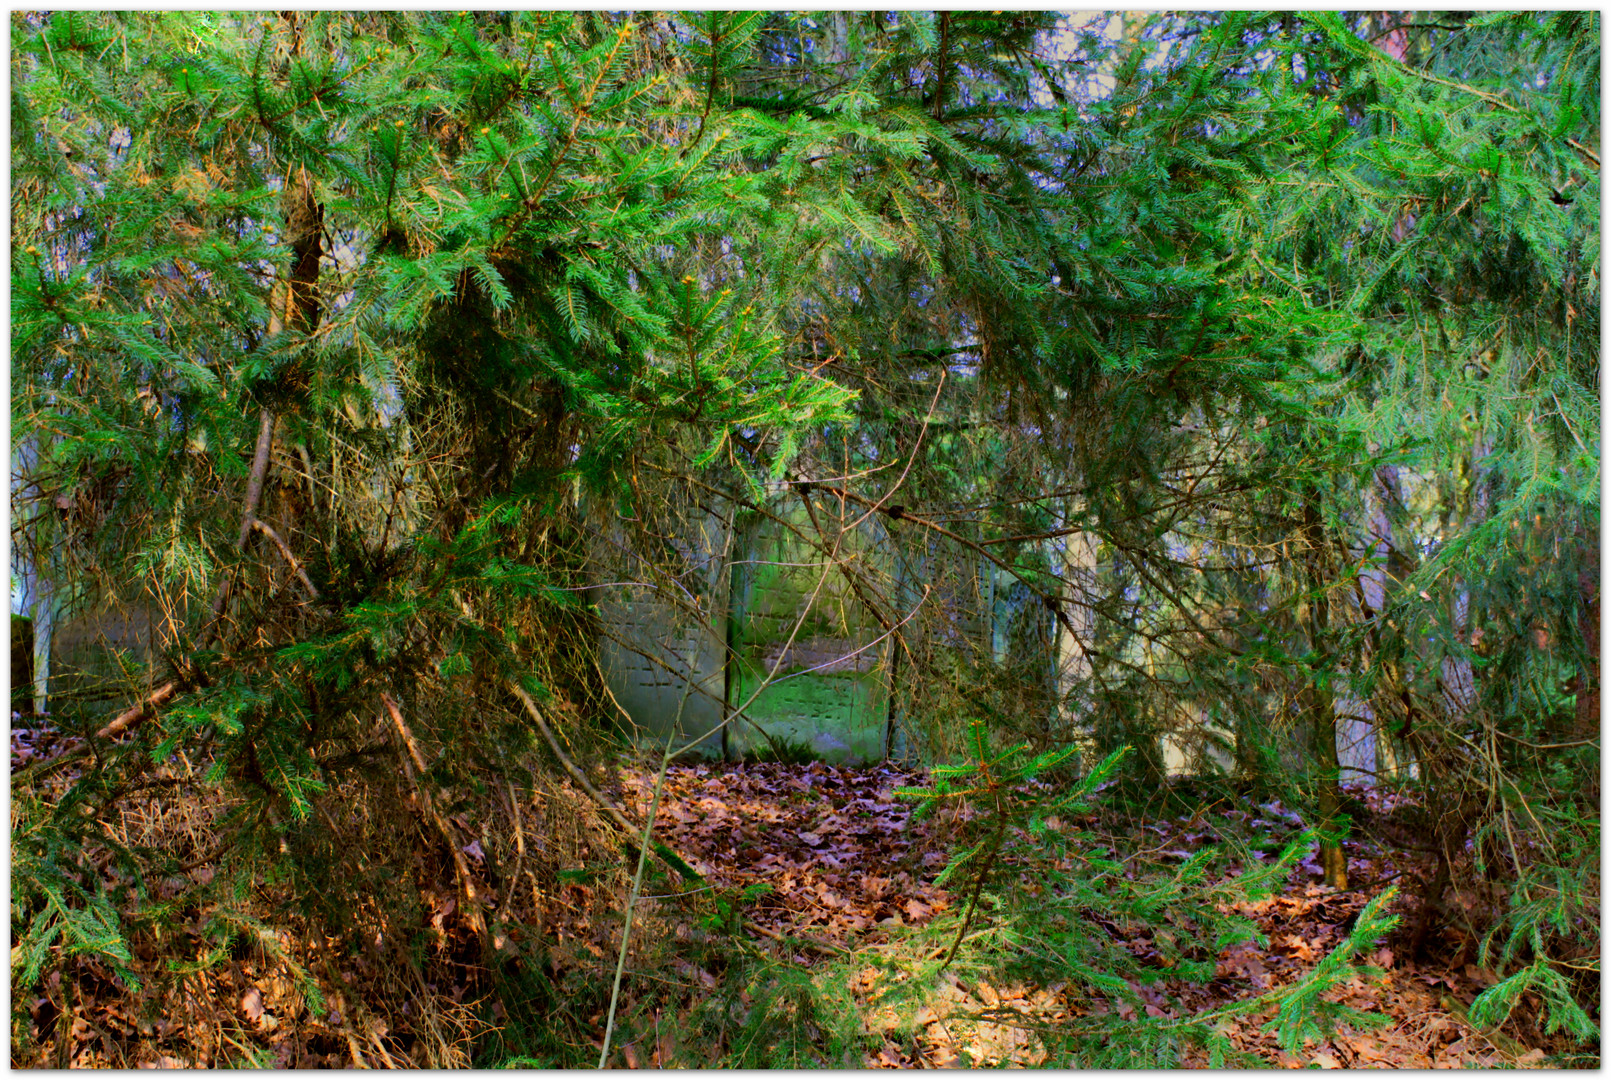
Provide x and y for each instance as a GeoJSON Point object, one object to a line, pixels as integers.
{"type": "Point", "coordinates": [1366, 1048]}
{"type": "Point", "coordinates": [1300, 948]}
{"type": "Point", "coordinates": [889, 1058]}
{"type": "Point", "coordinates": [252, 1004]}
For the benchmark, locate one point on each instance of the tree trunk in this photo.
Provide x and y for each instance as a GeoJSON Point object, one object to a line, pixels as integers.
{"type": "Point", "coordinates": [1076, 639]}
{"type": "Point", "coordinates": [1390, 531]}
{"type": "Point", "coordinates": [1587, 723]}
{"type": "Point", "coordinates": [1322, 707]}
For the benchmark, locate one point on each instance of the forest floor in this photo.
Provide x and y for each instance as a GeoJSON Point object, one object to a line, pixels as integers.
{"type": "Point", "coordinates": [847, 866]}
{"type": "Point", "coordinates": [824, 874]}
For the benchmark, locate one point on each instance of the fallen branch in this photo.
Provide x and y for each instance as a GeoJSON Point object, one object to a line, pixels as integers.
{"type": "Point", "coordinates": [132, 718]}
{"type": "Point", "coordinates": [602, 801]}
{"type": "Point", "coordinates": [826, 948]}
{"type": "Point", "coordinates": [574, 771]}
{"type": "Point", "coordinates": [416, 770]}
{"type": "Point", "coordinates": [147, 708]}
{"type": "Point", "coordinates": [285, 549]}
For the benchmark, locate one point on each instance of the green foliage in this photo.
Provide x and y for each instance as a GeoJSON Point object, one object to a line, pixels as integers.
{"type": "Point", "coordinates": [1494, 1004]}
{"type": "Point", "coordinates": [55, 915]}
{"type": "Point", "coordinates": [1304, 1014]}
{"type": "Point", "coordinates": [997, 780]}
{"type": "Point", "coordinates": [1063, 903]}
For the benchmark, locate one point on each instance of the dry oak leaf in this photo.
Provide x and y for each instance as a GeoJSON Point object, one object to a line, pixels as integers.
{"type": "Point", "coordinates": [1300, 948]}
{"type": "Point", "coordinates": [889, 1058]}
{"type": "Point", "coordinates": [252, 1009]}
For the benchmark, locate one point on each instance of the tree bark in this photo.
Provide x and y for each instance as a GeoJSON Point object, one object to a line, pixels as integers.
{"type": "Point", "coordinates": [1322, 706]}
{"type": "Point", "coordinates": [1587, 722]}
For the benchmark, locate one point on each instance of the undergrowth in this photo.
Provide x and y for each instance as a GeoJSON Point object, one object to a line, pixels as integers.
{"type": "Point", "coordinates": [1045, 901]}
{"type": "Point", "coordinates": [1047, 906]}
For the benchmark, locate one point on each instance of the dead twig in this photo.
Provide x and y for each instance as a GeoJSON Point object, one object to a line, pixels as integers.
{"type": "Point", "coordinates": [357, 1054]}
{"type": "Point", "coordinates": [572, 770]}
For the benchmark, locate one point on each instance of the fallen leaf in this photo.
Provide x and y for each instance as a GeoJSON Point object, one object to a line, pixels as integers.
{"type": "Point", "coordinates": [1366, 1049]}
{"type": "Point", "coordinates": [252, 1004]}
{"type": "Point", "coordinates": [665, 1050]}
{"type": "Point", "coordinates": [1325, 1061]}
{"type": "Point", "coordinates": [1300, 948]}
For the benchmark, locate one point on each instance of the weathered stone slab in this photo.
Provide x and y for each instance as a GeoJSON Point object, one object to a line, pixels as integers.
{"type": "Point", "coordinates": [809, 664]}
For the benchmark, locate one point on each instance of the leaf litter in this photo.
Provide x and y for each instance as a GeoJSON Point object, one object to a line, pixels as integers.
{"type": "Point", "coordinates": [835, 866]}
{"type": "Point", "coordinates": [845, 863]}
